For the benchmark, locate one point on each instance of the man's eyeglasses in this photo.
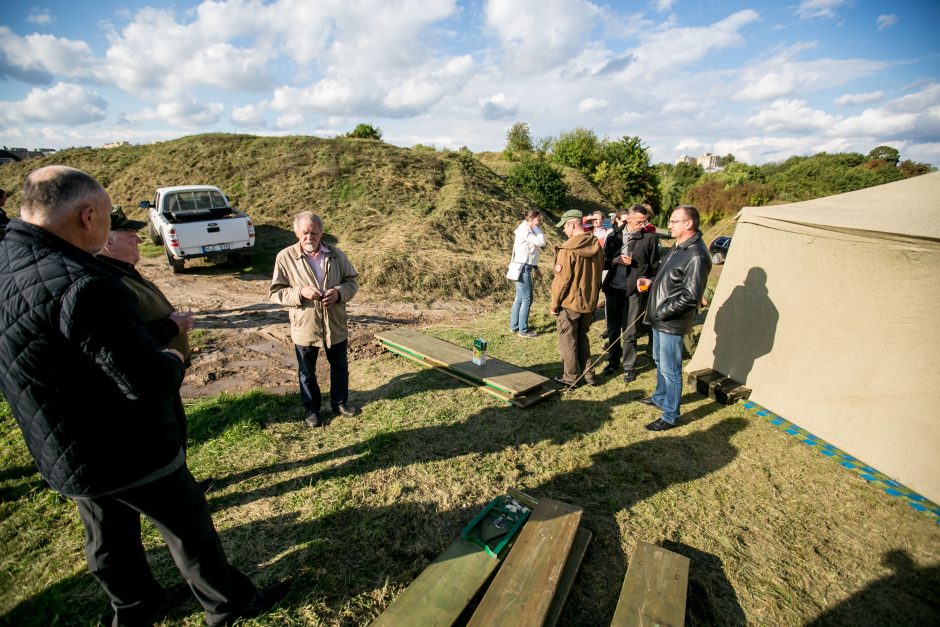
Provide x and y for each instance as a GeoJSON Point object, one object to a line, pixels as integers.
{"type": "Point", "coordinates": [671, 222]}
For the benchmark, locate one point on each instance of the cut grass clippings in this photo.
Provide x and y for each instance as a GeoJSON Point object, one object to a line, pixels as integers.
{"type": "Point", "coordinates": [352, 513]}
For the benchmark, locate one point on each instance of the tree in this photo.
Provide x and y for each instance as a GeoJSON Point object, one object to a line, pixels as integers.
{"type": "Point", "coordinates": [579, 149]}
{"type": "Point", "coordinates": [885, 153]}
{"type": "Point", "coordinates": [625, 174]}
{"type": "Point", "coordinates": [518, 142]}
{"type": "Point", "coordinates": [539, 182]}
{"type": "Point", "coordinates": [909, 168]}
{"type": "Point", "coordinates": [365, 131]}
{"type": "Point", "coordinates": [674, 181]}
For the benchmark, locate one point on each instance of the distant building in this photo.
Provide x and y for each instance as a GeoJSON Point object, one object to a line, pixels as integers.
{"type": "Point", "coordinates": [686, 159]}
{"type": "Point", "coordinates": [21, 154]}
{"type": "Point", "coordinates": [117, 144]}
{"type": "Point", "coordinates": [709, 161]}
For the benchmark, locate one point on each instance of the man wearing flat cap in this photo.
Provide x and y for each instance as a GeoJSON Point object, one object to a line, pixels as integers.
{"type": "Point", "coordinates": [576, 285]}
{"type": "Point", "coordinates": [167, 326]}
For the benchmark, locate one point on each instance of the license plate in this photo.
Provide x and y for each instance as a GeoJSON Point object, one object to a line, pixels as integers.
{"type": "Point", "coordinates": [214, 248]}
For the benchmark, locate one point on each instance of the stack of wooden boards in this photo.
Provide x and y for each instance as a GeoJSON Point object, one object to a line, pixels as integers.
{"type": "Point", "coordinates": [532, 580]}
{"type": "Point", "coordinates": [503, 380]}
{"type": "Point", "coordinates": [530, 587]}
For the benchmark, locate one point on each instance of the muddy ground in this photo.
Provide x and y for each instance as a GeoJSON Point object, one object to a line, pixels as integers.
{"type": "Point", "coordinates": [243, 341]}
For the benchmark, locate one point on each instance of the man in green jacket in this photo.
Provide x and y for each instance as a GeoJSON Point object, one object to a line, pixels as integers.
{"type": "Point", "coordinates": [315, 281]}
{"type": "Point", "coordinates": [576, 286]}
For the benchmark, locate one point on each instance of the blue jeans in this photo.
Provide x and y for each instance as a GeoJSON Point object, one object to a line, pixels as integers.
{"type": "Point", "coordinates": [519, 318]}
{"type": "Point", "coordinates": [667, 353]}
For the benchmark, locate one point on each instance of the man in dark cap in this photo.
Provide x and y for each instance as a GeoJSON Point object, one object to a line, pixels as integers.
{"type": "Point", "coordinates": [576, 286]}
{"type": "Point", "coordinates": [93, 396]}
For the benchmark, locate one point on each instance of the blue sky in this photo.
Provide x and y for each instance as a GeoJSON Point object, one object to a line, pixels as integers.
{"type": "Point", "coordinates": [762, 81]}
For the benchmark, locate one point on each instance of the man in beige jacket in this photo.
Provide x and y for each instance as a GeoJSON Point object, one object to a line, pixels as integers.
{"type": "Point", "coordinates": [575, 290]}
{"type": "Point", "coordinates": [315, 281]}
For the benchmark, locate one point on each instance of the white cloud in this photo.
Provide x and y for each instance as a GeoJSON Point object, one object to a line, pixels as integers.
{"type": "Point", "coordinates": [791, 116]}
{"type": "Point", "coordinates": [887, 21]}
{"type": "Point", "coordinates": [40, 16]}
{"type": "Point", "coordinates": [38, 58]}
{"type": "Point", "coordinates": [427, 86]}
{"type": "Point", "coordinates": [688, 145]}
{"type": "Point", "coordinates": [537, 35]}
{"type": "Point", "coordinates": [810, 9]}
{"type": "Point", "coordinates": [289, 120]}
{"type": "Point", "coordinates": [499, 106]}
{"type": "Point", "coordinates": [250, 116]}
{"type": "Point", "coordinates": [784, 75]}
{"type": "Point", "coordinates": [627, 117]}
{"type": "Point", "coordinates": [664, 5]}
{"type": "Point", "coordinates": [679, 47]}
{"type": "Point", "coordinates": [186, 112]}
{"type": "Point", "coordinates": [679, 105]}
{"type": "Point", "coordinates": [591, 105]}
{"type": "Point", "coordinates": [326, 96]}
{"type": "Point", "coordinates": [63, 103]}
{"type": "Point", "coordinates": [856, 99]}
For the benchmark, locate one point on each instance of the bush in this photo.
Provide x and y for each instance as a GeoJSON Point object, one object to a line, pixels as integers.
{"type": "Point", "coordinates": [365, 131]}
{"type": "Point", "coordinates": [579, 149]}
{"type": "Point", "coordinates": [539, 182]}
{"type": "Point", "coordinates": [518, 142]}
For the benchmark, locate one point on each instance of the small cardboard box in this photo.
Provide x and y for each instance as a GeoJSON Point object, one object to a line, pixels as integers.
{"type": "Point", "coordinates": [479, 351]}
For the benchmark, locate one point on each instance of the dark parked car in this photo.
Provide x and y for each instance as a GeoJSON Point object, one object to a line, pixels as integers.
{"type": "Point", "coordinates": [719, 250]}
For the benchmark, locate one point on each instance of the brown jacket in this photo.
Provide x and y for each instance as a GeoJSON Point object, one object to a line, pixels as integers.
{"type": "Point", "coordinates": [312, 324]}
{"type": "Point", "coordinates": [579, 264]}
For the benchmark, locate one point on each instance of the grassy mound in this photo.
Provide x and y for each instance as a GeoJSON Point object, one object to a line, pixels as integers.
{"type": "Point", "coordinates": [416, 223]}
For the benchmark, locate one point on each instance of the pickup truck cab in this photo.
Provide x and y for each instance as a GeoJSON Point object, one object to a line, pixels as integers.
{"type": "Point", "coordinates": [198, 221]}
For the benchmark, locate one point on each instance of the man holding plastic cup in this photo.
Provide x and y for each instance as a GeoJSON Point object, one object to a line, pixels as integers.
{"type": "Point", "coordinates": [674, 296]}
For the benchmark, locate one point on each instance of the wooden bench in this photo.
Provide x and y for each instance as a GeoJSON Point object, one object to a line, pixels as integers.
{"type": "Point", "coordinates": [542, 565]}
{"type": "Point", "coordinates": [654, 590]}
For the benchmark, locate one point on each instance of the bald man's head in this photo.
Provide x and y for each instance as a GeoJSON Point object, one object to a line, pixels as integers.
{"type": "Point", "coordinates": [70, 204]}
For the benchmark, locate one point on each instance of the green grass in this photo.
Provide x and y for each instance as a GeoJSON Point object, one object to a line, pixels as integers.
{"type": "Point", "coordinates": [350, 514]}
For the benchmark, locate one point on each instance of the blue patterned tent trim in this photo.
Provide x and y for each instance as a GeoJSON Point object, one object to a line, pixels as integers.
{"type": "Point", "coordinates": [850, 463]}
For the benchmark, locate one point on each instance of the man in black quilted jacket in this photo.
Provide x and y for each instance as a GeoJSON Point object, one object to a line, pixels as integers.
{"type": "Point", "coordinates": [93, 396]}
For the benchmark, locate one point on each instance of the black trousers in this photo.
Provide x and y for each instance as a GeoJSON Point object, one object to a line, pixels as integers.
{"type": "Point", "coordinates": [339, 375]}
{"type": "Point", "coordinates": [622, 310]}
{"type": "Point", "coordinates": [177, 508]}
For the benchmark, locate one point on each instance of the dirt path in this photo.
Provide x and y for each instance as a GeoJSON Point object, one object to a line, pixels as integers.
{"type": "Point", "coordinates": [243, 341]}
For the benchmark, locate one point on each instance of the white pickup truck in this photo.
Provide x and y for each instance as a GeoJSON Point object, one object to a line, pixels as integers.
{"type": "Point", "coordinates": [198, 221]}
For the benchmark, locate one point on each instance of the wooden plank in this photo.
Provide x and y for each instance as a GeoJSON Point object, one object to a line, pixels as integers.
{"type": "Point", "coordinates": [581, 541]}
{"type": "Point", "coordinates": [654, 590]}
{"type": "Point", "coordinates": [522, 591]}
{"type": "Point", "coordinates": [495, 373]}
{"type": "Point", "coordinates": [523, 400]}
{"type": "Point", "coordinates": [715, 385]}
{"type": "Point", "coordinates": [442, 591]}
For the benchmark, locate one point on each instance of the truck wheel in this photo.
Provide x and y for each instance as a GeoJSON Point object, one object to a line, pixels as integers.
{"type": "Point", "coordinates": [175, 265]}
{"type": "Point", "coordinates": [154, 235]}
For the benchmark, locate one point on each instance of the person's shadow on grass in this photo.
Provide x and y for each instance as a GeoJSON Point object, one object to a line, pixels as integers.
{"type": "Point", "coordinates": [617, 480]}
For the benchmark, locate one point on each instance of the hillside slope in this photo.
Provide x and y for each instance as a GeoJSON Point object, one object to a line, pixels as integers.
{"type": "Point", "coordinates": [418, 223]}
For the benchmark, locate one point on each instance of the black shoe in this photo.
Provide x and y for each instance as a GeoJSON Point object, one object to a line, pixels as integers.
{"type": "Point", "coordinates": [563, 383]}
{"type": "Point", "coordinates": [629, 375]}
{"type": "Point", "coordinates": [648, 400]}
{"type": "Point", "coordinates": [344, 409]}
{"type": "Point", "coordinates": [605, 335]}
{"type": "Point", "coordinates": [264, 600]}
{"type": "Point", "coordinates": [605, 346]}
{"type": "Point", "coordinates": [206, 484]}
{"type": "Point", "coordinates": [609, 370]}
{"type": "Point", "coordinates": [313, 420]}
{"type": "Point", "coordinates": [661, 425]}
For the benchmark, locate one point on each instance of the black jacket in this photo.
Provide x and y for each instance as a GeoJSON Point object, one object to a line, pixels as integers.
{"type": "Point", "coordinates": [678, 288]}
{"type": "Point", "coordinates": [88, 387]}
{"type": "Point", "coordinates": [645, 253]}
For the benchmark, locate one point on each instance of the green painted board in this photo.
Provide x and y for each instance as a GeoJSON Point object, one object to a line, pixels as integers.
{"type": "Point", "coordinates": [654, 590]}
{"type": "Point", "coordinates": [497, 374]}
{"type": "Point", "coordinates": [523, 400]}
{"type": "Point", "coordinates": [581, 541]}
{"type": "Point", "coordinates": [522, 591]}
{"type": "Point", "coordinates": [442, 591]}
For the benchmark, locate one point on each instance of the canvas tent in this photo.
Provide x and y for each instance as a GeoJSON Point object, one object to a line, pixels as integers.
{"type": "Point", "coordinates": [829, 310]}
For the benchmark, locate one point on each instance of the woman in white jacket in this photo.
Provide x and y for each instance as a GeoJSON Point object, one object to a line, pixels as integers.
{"type": "Point", "coordinates": [525, 252]}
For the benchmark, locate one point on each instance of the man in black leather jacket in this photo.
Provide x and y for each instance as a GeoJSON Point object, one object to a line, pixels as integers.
{"type": "Point", "coordinates": [675, 295]}
{"type": "Point", "coordinates": [93, 394]}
